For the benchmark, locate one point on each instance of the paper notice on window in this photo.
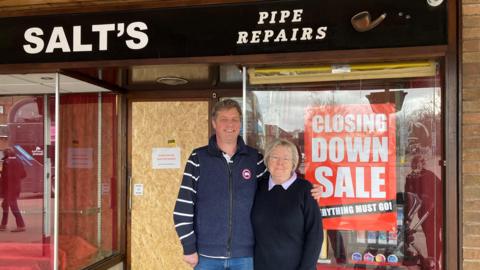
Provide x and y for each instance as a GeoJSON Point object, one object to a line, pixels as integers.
{"type": "Point", "coordinates": [80, 158]}
{"type": "Point", "coordinates": [166, 158]}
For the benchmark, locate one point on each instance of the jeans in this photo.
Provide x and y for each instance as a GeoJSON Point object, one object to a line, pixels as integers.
{"type": "Point", "coordinates": [244, 263]}
{"type": "Point", "coordinates": [12, 203]}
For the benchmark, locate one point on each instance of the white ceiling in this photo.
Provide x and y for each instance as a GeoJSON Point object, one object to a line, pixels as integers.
{"type": "Point", "coordinates": [43, 83]}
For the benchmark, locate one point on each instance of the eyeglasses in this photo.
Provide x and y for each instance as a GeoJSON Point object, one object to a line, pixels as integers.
{"type": "Point", "coordinates": [282, 159]}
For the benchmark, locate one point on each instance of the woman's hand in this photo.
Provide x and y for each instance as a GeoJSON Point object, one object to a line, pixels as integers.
{"type": "Point", "coordinates": [191, 259]}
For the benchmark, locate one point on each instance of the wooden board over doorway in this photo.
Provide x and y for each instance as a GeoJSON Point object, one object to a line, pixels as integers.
{"type": "Point", "coordinates": [160, 124]}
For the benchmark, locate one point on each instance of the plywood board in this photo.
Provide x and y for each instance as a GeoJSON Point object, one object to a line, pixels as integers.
{"type": "Point", "coordinates": [154, 243]}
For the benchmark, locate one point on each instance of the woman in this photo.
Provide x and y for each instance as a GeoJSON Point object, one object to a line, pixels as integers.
{"type": "Point", "coordinates": [286, 219]}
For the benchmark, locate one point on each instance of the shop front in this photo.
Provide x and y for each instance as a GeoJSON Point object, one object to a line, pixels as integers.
{"type": "Point", "coordinates": [375, 146]}
{"type": "Point", "coordinates": [46, 225]}
{"type": "Point", "coordinates": [366, 90]}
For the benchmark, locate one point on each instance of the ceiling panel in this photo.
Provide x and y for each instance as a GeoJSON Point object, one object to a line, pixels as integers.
{"type": "Point", "coordinates": [43, 83]}
{"type": "Point", "coordinates": [80, 87]}
{"type": "Point", "coordinates": [12, 79]}
{"type": "Point", "coordinates": [18, 89]}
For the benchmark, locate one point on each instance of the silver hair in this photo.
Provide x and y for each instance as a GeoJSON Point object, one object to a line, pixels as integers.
{"type": "Point", "coordinates": [282, 142]}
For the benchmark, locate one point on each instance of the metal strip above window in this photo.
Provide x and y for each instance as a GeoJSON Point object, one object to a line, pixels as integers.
{"type": "Point", "coordinates": [342, 72]}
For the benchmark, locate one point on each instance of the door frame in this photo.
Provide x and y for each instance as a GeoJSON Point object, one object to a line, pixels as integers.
{"type": "Point", "coordinates": [212, 96]}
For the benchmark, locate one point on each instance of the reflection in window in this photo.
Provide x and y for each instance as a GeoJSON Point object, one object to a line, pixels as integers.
{"type": "Point", "coordinates": [26, 230]}
{"type": "Point", "coordinates": [88, 230]}
{"type": "Point", "coordinates": [413, 107]}
{"type": "Point", "coordinates": [27, 112]}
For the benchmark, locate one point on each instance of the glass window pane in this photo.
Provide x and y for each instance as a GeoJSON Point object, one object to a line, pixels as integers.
{"type": "Point", "coordinates": [376, 148]}
{"type": "Point", "coordinates": [88, 230]}
{"type": "Point", "coordinates": [26, 240]}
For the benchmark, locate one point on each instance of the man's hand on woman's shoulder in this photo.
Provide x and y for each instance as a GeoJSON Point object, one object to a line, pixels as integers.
{"type": "Point", "coordinates": [317, 191]}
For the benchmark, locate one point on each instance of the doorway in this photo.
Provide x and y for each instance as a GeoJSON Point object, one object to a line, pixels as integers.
{"type": "Point", "coordinates": [59, 193]}
{"type": "Point", "coordinates": [162, 135]}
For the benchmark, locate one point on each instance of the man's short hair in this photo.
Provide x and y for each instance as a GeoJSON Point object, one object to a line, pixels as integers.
{"type": "Point", "coordinates": [226, 104]}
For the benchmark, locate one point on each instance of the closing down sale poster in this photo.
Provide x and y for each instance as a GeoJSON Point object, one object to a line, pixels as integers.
{"type": "Point", "coordinates": [350, 152]}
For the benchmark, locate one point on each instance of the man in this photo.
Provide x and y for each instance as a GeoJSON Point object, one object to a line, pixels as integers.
{"type": "Point", "coordinates": [212, 212]}
{"type": "Point", "coordinates": [12, 174]}
{"type": "Point", "coordinates": [426, 186]}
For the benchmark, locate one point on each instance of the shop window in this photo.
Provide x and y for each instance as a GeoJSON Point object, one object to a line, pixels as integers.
{"type": "Point", "coordinates": [88, 202]}
{"type": "Point", "coordinates": [374, 140]}
{"type": "Point", "coordinates": [3, 131]}
{"type": "Point", "coordinates": [86, 174]}
{"type": "Point", "coordinates": [26, 229]}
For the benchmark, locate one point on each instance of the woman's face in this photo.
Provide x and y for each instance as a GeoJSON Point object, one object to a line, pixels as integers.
{"type": "Point", "coordinates": [280, 164]}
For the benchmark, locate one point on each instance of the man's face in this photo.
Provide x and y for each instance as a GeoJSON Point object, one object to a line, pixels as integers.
{"type": "Point", "coordinates": [227, 125]}
{"type": "Point", "coordinates": [8, 152]}
{"type": "Point", "coordinates": [417, 166]}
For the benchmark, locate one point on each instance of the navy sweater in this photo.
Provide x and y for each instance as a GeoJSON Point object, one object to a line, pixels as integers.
{"type": "Point", "coordinates": [288, 227]}
{"type": "Point", "coordinates": [212, 212]}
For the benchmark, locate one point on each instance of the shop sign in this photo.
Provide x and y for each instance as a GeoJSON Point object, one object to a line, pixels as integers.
{"type": "Point", "coordinates": [220, 30]}
{"type": "Point", "coordinates": [350, 152]}
{"type": "Point", "coordinates": [38, 151]}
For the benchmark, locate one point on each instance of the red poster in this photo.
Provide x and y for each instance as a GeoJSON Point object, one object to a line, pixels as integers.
{"type": "Point", "coordinates": [350, 152]}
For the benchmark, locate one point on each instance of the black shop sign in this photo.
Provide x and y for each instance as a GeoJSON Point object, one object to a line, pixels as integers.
{"type": "Point", "coordinates": [220, 30]}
